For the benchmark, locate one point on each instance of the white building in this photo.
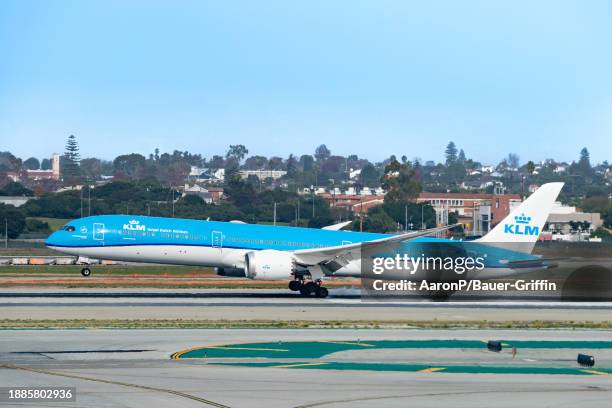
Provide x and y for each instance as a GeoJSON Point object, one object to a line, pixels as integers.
{"type": "Point", "coordinates": [262, 174]}
{"type": "Point", "coordinates": [563, 219]}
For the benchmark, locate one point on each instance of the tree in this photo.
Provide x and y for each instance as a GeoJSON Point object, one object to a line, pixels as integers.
{"type": "Point", "coordinates": [255, 163]}
{"type": "Point", "coordinates": [378, 221]}
{"type": "Point", "coordinates": [8, 162]}
{"type": "Point", "coordinates": [291, 166]}
{"type": "Point", "coordinates": [369, 176]}
{"type": "Point", "coordinates": [461, 158]}
{"type": "Point", "coordinates": [46, 164]}
{"type": "Point", "coordinates": [232, 171]}
{"type": "Point", "coordinates": [216, 162]}
{"type": "Point", "coordinates": [71, 158]}
{"type": "Point", "coordinates": [451, 153]}
{"type": "Point", "coordinates": [91, 168]}
{"type": "Point", "coordinates": [129, 165]}
{"type": "Point", "coordinates": [400, 182]}
{"type": "Point", "coordinates": [32, 164]}
{"type": "Point", "coordinates": [237, 152]}
{"type": "Point", "coordinates": [306, 162]}
{"type": "Point", "coordinates": [584, 163]}
{"type": "Point", "coordinates": [530, 166]}
{"type": "Point", "coordinates": [322, 153]}
{"type": "Point", "coordinates": [15, 220]}
{"type": "Point", "coordinates": [513, 160]}
{"type": "Point", "coordinates": [401, 212]}
{"type": "Point", "coordinates": [585, 157]}
{"type": "Point", "coordinates": [15, 189]}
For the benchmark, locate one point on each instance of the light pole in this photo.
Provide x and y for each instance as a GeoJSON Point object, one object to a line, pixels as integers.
{"type": "Point", "coordinates": [313, 204]}
{"type": "Point", "coordinates": [5, 233]}
{"type": "Point", "coordinates": [172, 202]}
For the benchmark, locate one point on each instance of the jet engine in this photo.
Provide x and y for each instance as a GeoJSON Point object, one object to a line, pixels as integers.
{"type": "Point", "coordinates": [269, 265]}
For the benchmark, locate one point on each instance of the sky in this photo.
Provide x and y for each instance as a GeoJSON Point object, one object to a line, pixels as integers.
{"type": "Point", "coordinates": [371, 78]}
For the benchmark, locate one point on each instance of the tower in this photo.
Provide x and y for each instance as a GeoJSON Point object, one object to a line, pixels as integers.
{"type": "Point", "coordinates": [55, 166]}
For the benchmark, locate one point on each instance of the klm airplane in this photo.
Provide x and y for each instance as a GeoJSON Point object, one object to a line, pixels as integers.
{"type": "Point", "coordinates": [303, 256]}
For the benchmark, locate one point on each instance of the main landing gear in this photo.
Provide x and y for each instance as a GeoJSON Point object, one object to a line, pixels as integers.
{"type": "Point", "coordinates": [309, 288]}
{"type": "Point", "coordinates": [86, 271]}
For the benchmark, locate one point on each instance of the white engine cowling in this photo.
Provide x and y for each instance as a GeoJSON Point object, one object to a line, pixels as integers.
{"type": "Point", "coordinates": [269, 265]}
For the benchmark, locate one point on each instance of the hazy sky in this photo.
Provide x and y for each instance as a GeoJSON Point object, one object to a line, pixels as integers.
{"type": "Point", "coordinates": [373, 78]}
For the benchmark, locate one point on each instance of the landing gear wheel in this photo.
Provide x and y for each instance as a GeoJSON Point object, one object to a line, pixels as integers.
{"type": "Point", "coordinates": [321, 292]}
{"type": "Point", "coordinates": [309, 288]}
{"type": "Point", "coordinates": [295, 285]}
{"type": "Point", "coordinates": [86, 272]}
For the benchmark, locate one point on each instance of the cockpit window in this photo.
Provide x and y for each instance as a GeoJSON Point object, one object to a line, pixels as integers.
{"type": "Point", "coordinates": [68, 228]}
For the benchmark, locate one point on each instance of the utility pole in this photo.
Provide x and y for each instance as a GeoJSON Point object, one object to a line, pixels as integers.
{"type": "Point", "coordinates": [148, 209]}
{"type": "Point", "coordinates": [312, 196]}
{"type": "Point", "coordinates": [406, 217]}
{"type": "Point", "coordinates": [172, 202]}
{"type": "Point", "coordinates": [5, 233]}
{"type": "Point", "coordinates": [361, 214]}
{"type": "Point", "coordinates": [82, 201]}
{"type": "Point", "coordinates": [88, 199]}
{"type": "Point", "coordinates": [275, 213]}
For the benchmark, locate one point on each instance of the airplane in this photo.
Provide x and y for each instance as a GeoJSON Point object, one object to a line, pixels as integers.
{"type": "Point", "coordinates": [303, 256]}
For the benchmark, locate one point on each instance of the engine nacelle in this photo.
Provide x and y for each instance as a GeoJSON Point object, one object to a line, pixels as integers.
{"type": "Point", "coordinates": [269, 265]}
{"type": "Point", "coordinates": [233, 272]}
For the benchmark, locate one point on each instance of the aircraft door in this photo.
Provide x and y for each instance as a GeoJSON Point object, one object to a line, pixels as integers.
{"type": "Point", "coordinates": [98, 232]}
{"type": "Point", "coordinates": [217, 239]}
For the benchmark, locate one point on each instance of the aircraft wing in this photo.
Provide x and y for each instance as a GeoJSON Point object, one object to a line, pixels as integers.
{"type": "Point", "coordinates": [333, 258]}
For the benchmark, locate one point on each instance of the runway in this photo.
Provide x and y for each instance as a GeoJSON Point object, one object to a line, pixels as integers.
{"type": "Point", "coordinates": [132, 368]}
{"type": "Point", "coordinates": [279, 305]}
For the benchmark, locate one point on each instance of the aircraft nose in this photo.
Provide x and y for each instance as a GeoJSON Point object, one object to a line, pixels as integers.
{"type": "Point", "coordinates": [53, 239]}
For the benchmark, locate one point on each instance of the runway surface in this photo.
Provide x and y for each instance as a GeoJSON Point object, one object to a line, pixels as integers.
{"type": "Point", "coordinates": [133, 368]}
{"type": "Point", "coordinates": [261, 304]}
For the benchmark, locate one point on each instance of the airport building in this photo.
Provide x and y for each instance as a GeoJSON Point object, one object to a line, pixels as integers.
{"type": "Point", "coordinates": [479, 212]}
{"type": "Point", "coordinates": [568, 223]}
{"type": "Point", "coordinates": [53, 174]}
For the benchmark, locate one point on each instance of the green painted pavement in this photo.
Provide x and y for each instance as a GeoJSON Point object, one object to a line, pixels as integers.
{"type": "Point", "coordinates": [476, 369]}
{"type": "Point", "coordinates": [316, 349]}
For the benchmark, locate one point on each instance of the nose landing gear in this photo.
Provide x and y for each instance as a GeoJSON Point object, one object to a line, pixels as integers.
{"type": "Point", "coordinates": [86, 271]}
{"type": "Point", "coordinates": [309, 288]}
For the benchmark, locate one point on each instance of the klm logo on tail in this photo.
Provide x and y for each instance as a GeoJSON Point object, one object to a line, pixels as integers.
{"type": "Point", "coordinates": [521, 226]}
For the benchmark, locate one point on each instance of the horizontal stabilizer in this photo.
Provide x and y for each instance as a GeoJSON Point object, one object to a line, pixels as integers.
{"type": "Point", "coordinates": [337, 227]}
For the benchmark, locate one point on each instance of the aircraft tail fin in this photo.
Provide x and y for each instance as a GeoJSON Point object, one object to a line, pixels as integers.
{"type": "Point", "coordinates": [522, 227]}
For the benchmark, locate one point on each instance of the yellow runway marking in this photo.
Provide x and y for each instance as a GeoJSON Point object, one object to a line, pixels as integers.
{"type": "Point", "coordinates": [243, 348]}
{"type": "Point", "coordinates": [594, 372]}
{"type": "Point", "coordinates": [432, 369]}
{"type": "Point", "coordinates": [298, 365]}
{"type": "Point", "coordinates": [349, 342]}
